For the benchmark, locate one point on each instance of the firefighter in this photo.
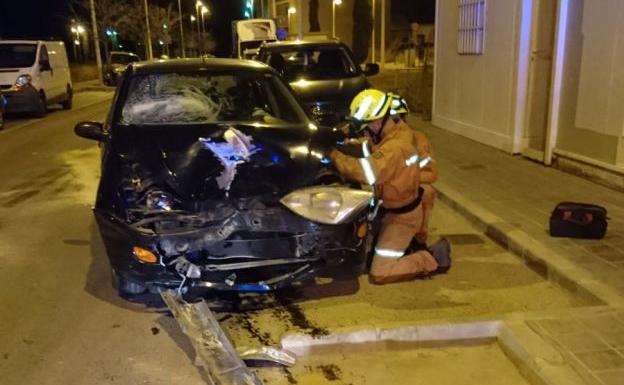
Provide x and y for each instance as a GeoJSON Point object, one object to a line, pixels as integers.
{"type": "Point", "coordinates": [391, 164]}
{"type": "Point", "coordinates": [428, 169]}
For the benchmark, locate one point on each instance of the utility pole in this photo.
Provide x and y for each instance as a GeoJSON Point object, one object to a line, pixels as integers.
{"type": "Point", "coordinates": [150, 54]}
{"type": "Point", "coordinates": [96, 41]}
{"type": "Point", "coordinates": [373, 38]}
{"type": "Point", "coordinates": [181, 28]}
{"type": "Point", "coordinates": [383, 33]}
{"type": "Point", "coordinates": [300, 19]}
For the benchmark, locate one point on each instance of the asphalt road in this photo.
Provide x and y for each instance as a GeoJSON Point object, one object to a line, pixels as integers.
{"type": "Point", "coordinates": [61, 322]}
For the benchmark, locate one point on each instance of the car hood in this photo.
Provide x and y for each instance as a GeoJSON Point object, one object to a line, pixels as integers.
{"type": "Point", "coordinates": [234, 160]}
{"type": "Point", "coordinates": [334, 91]}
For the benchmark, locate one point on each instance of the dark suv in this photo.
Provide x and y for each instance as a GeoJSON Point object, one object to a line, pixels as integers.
{"type": "Point", "coordinates": [322, 73]}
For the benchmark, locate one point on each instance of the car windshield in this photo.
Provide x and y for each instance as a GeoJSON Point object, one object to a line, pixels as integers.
{"type": "Point", "coordinates": [123, 58]}
{"type": "Point", "coordinates": [312, 63]}
{"type": "Point", "coordinates": [209, 97]}
{"type": "Point", "coordinates": [17, 55]}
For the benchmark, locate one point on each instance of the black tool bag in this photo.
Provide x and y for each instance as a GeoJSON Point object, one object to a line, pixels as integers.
{"type": "Point", "coordinates": [578, 220]}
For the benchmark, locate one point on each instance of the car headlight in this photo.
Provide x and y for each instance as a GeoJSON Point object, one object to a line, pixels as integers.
{"type": "Point", "coordinates": [330, 205]}
{"type": "Point", "coordinates": [23, 81]}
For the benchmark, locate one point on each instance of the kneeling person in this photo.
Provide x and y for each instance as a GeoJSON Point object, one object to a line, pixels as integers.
{"type": "Point", "coordinates": [391, 166]}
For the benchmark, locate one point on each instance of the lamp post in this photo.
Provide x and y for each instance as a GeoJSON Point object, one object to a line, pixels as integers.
{"type": "Point", "coordinates": [198, 5]}
{"type": "Point", "coordinates": [291, 11]}
{"type": "Point", "coordinates": [150, 54]}
{"type": "Point", "coordinates": [181, 29]}
{"type": "Point", "coordinates": [334, 4]}
{"type": "Point", "coordinates": [96, 42]}
{"type": "Point", "coordinates": [204, 11]}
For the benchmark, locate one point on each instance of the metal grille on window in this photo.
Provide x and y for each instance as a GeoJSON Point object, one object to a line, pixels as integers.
{"type": "Point", "coordinates": [471, 31]}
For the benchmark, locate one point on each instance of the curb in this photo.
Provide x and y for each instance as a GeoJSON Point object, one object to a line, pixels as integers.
{"type": "Point", "coordinates": [303, 343]}
{"type": "Point", "coordinates": [539, 257]}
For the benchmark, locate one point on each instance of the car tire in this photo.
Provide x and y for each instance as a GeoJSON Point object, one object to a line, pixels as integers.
{"type": "Point", "coordinates": [126, 287]}
{"type": "Point", "coordinates": [42, 106]}
{"type": "Point", "coordinates": [67, 104]}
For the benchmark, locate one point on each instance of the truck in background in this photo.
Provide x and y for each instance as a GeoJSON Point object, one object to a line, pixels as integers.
{"type": "Point", "coordinates": [248, 36]}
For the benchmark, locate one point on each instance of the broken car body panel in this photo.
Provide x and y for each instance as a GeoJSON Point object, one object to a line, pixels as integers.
{"type": "Point", "coordinates": [204, 195]}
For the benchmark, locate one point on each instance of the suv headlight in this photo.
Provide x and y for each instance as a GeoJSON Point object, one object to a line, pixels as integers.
{"type": "Point", "coordinates": [22, 81]}
{"type": "Point", "coordinates": [331, 205]}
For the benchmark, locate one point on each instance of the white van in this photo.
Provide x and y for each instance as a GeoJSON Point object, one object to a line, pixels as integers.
{"type": "Point", "coordinates": [33, 75]}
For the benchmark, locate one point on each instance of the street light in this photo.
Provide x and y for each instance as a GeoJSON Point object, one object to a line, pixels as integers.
{"type": "Point", "coordinates": [204, 10]}
{"type": "Point", "coordinates": [198, 5]}
{"type": "Point", "coordinates": [181, 29]}
{"type": "Point", "coordinates": [334, 4]}
{"type": "Point", "coordinates": [291, 11]}
{"type": "Point", "coordinates": [77, 31]}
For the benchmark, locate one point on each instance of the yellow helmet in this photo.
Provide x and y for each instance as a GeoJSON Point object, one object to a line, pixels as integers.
{"type": "Point", "coordinates": [370, 105]}
{"type": "Point", "coordinates": [399, 105]}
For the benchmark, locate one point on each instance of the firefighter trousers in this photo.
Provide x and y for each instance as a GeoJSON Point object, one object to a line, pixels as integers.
{"type": "Point", "coordinates": [397, 230]}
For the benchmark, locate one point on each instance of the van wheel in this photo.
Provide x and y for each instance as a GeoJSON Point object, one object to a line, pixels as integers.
{"type": "Point", "coordinates": [42, 107]}
{"type": "Point", "coordinates": [67, 104]}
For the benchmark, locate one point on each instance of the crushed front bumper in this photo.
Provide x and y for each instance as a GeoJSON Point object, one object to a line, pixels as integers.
{"type": "Point", "coordinates": [232, 257]}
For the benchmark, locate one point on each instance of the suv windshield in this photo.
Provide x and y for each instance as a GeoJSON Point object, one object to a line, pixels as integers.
{"type": "Point", "coordinates": [118, 58]}
{"type": "Point", "coordinates": [209, 97]}
{"type": "Point", "coordinates": [312, 63]}
{"type": "Point", "coordinates": [17, 55]}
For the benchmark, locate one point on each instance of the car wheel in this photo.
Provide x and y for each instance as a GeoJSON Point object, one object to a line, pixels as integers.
{"type": "Point", "coordinates": [126, 287]}
{"type": "Point", "coordinates": [42, 106]}
{"type": "Point", "coordinates": [67, 104]}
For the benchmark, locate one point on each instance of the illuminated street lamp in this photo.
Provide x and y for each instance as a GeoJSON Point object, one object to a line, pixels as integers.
{"type": "Point", "coordinates": [77, 31]}
{"type": "Point", "coordinates": [204, 11]}
{"type": "Point", "coordinates": [291, 11]}
{"type": "Point", "coordinates": [334, 4]}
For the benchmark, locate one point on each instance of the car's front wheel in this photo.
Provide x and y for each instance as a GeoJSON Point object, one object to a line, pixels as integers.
{"type": "Point", "coordinates": [67, 103]}
{"type": "Point", "coordinates": [42, 106]}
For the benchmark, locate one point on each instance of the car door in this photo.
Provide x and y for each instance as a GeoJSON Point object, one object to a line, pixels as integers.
{"type": "Point", "coordinates": [46, 73]}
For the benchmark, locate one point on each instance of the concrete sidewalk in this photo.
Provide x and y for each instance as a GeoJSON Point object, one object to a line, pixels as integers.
{"type": "Point", "coordinates": [510, 198]}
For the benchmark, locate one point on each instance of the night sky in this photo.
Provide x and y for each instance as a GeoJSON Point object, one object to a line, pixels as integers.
{"type": "Point", "coordinates": [49, 19]}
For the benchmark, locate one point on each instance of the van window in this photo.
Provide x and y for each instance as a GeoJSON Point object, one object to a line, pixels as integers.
{"type": "Point", "coordinates": [17, 55]}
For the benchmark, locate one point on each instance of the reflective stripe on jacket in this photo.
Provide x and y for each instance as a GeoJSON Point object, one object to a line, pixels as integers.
{"type": "Point", "coordinates": [396, 183]}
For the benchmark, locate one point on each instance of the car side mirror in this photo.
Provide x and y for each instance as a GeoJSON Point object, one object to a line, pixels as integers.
{"type": "Point", "coordinates": [371, 69]}
{"type": "Point", "coordinates": [45, 66]}
{"type": "Point", "coordinates": [92, 130]}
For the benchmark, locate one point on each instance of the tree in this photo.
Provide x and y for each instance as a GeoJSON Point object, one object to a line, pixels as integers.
{"type": "Point", "coordinates": [313, 17]}
{"type": "Point", "coordinates": [112, 15]}
{"type": "Point", "coordinates": [362, 29]}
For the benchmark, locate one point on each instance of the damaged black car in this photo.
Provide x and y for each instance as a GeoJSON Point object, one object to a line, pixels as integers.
{"type": "Point", "coordinates": [214, 177]}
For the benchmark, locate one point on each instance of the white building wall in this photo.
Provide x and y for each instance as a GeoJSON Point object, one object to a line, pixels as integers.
{"type": "Point", "coordinates": [475, 96]}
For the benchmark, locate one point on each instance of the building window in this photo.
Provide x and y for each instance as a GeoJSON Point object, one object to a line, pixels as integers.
{"type": "Point", "coordinates": [471, 30]}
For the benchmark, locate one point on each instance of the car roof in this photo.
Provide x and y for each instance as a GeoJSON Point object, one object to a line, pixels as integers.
{"type": "Point", "coordinates": [170, 65]}
{"type": "Point", "coordinates": [305, 43]}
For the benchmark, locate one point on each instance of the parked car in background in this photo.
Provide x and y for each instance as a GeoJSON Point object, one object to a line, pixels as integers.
{"type": "Point", "coordinates": [33, 75]}
{"type": "Point", "coordinates": [322, 73]}
{"type": "Point", "coordinates": [116, 64]}
{"type": "Point", "coordinates": [214, 177]}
